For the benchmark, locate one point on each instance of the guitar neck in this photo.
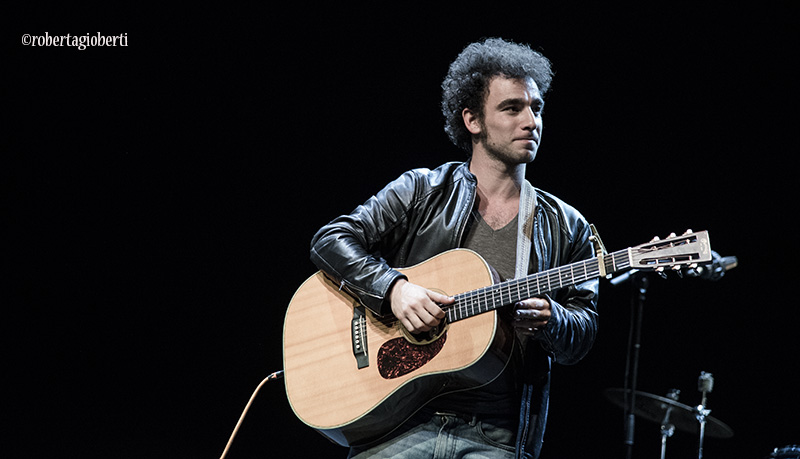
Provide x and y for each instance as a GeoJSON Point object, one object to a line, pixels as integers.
{"type": "Point", "coordinates": [509, 292]}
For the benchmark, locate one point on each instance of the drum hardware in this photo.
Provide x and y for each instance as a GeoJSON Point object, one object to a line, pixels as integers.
{"type": "Point", "coordinates": [705, 383]}
{"type": "Point", "coordinates": [673, 415]}
{"type": "Point", "coordinates": [667, 428]}
{"type": "Point", "coordinates": [787, 452]}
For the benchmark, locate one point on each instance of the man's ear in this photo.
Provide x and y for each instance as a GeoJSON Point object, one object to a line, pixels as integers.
{"type": "Point", "coordinates": [471, 121]}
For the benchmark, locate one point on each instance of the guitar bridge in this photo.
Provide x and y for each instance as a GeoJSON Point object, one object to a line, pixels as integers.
{"type": "Point", "coordinates": [358, 335]}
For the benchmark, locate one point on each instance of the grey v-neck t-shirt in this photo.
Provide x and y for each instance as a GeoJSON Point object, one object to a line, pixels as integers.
{"type": "Point", "coordinates": [497, 247]}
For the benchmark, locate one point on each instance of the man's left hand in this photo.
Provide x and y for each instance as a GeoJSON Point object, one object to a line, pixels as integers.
{"type": "Point", "coordinates": [531, 315]}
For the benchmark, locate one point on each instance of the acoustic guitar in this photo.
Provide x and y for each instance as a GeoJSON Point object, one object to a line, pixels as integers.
{"type": "Point", "coordinates": [354, 376]}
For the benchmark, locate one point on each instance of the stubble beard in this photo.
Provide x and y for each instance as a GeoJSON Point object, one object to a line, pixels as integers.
{"type": "Point", "coordinates": [504, 154]}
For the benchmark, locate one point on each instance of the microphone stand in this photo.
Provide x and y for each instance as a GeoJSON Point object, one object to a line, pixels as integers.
{"type": "Point", "coordinates": [639, 285]}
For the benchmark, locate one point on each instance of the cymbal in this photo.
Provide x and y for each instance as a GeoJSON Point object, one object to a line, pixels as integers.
{"type": "Point", "coordinates": [683, 417]}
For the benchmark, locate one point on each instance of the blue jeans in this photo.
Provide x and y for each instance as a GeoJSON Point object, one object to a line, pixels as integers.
{"type": "Point", "coordinates": [441, 435]}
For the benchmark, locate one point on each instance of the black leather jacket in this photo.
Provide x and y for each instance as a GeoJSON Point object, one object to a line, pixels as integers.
{"type": "Point", "coordinates": [425, 212]}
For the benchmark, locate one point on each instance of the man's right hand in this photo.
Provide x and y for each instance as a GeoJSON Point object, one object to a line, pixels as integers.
{"type": "Point", "coordinates": [416, 307]}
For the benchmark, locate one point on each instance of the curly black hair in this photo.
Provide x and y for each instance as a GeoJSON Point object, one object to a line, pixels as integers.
{"type": "Point", "coordinates": [468, 79]}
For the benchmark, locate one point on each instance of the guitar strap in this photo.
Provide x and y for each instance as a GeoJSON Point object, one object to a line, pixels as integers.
{"type": "Point", "coordinates": [527, 204]}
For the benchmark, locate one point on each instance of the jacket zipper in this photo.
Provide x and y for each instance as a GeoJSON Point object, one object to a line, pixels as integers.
{"type": "Point", "coordinates": [465, 217]}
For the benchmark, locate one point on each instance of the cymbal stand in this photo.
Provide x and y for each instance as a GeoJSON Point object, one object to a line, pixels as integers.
{"type": "Point", "coordinates": [667, 428]}
{"type": "Point", "coordinates": [705, 383]}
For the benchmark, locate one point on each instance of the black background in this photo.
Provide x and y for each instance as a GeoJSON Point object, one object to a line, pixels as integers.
{"type": "Point", "coordinates": [160, 199]}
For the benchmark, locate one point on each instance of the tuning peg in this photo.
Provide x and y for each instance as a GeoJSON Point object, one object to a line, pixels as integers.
{"type": "Point", "coordinates": [671, 235]}
{"type": "Point", "coordinates": [687, 232]}
{"type": "Point", "coordinates": [691, 270]}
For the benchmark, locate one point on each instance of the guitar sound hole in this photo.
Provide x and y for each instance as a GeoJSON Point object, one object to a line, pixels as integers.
{"type": "Point", "coordinates": [425, 337]}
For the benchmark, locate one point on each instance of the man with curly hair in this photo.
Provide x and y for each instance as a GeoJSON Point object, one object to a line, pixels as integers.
{"type": "Point", "coordinates": [492, 102]}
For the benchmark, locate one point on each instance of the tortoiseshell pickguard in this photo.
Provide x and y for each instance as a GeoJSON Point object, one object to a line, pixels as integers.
{"type": "Point", "coordinates": [398, 357]}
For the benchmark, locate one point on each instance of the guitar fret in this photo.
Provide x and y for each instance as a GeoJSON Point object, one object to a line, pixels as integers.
{"type": "Point", "coordinates": [493, 297]}
{"type": "Point", "coordinates": [509, 292]}
{"type": "Point", "coordinates": [472, 304]}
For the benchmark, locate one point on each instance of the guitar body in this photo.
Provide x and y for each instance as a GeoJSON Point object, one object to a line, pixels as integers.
{"type": "Point", "coordinates": [350, 405]}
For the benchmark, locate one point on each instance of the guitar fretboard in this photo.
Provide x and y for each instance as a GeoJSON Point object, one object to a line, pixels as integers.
{"type": "Point", "coordinates": [509, 292]}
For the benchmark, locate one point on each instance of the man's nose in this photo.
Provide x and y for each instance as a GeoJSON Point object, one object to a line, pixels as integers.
{"type": "Point", "coordinates": [530, 119]}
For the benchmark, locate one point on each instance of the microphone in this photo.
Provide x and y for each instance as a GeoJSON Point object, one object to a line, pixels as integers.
{"type": "Point", "coordinates": [716, 269]}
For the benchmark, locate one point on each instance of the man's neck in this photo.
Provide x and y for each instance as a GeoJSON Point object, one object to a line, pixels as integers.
{"type": "Point", "coordinates": [499, 188]}
{"type": "Point", "coordinates": [497, 180]}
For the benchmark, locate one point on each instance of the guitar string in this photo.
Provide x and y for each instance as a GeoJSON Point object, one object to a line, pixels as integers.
{"type": "Point", "coordinates": [491, 297]}
{"type": "Point", "coordinates": [555, 278]}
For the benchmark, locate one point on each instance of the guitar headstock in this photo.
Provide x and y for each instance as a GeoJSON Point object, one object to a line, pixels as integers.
{"type": "Point", "coordinates": [675, 252]}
